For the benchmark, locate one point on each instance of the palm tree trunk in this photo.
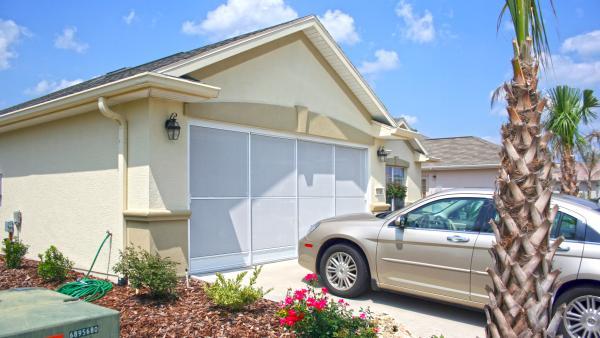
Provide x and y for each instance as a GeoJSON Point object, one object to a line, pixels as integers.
{"type": "Point", "coordinates": [568, 184]}
{"type": "Point", "coordinates": [522, 276]}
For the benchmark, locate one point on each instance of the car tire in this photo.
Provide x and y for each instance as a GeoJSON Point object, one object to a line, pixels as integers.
{"type": "Point", "coordinates": [362, 281]}
{"type": "Point", "coordinates": [569, 296]}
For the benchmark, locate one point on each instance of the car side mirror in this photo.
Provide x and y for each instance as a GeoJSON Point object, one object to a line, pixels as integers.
{"type": "Point", "coordinates": [400, 221]}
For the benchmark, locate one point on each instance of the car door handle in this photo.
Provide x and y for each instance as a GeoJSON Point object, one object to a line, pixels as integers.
{"type": "Point", "coordinates": [563, 248]}
{"type": "Point", "coordinates": [457, 239]}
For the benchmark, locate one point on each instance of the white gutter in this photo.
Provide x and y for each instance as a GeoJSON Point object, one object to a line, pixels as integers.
{"type": "Point", "coordinates": [122, 156]}
{"type": "Point", "coordinates": [461, 166]}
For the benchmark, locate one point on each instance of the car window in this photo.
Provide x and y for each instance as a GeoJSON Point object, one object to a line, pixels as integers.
{"type": "Point", "coordinates": [591, 235]}
{"type": "Point", "coordinates": [461, 214]}
{"type": "Point", "coordinates": [564, 224]}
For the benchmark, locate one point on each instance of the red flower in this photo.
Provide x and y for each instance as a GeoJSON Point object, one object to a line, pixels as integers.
{"type": "Point", "coordinates": [292, 318]}
{"type": "Point", "coordinates": [324, 290]}
{"type": "Point", "coordinates": [320, 304]}
{"type": "Point", "coordinates": [311, 277]}
{"type": "Point", "coordinates": [363, 315]}
{"type": "Point", "coordinates": [300, 294]}
{"type": "Point", "coordinates": [289, 300]}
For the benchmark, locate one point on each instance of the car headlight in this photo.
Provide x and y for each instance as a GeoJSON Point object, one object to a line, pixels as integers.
{"type": "Point", "coordinates": [313, 227]}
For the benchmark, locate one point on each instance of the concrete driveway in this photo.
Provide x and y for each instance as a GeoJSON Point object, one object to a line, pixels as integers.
{"type": "Point", "coordinates": [421, 317]}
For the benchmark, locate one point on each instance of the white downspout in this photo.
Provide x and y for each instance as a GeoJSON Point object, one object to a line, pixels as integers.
{"type": "Point", "coordinates": [122, 157]}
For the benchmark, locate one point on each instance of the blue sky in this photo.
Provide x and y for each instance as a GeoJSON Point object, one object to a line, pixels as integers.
{"type": "Point", "coordinates": [435, 62]}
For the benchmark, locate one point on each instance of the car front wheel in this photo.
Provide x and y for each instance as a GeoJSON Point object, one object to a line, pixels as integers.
{"type": "Point", "coordinates": [344, 271]}
{"type": "Point", "coordinates": [582, 314]}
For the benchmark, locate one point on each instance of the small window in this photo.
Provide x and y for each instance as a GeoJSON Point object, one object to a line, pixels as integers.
{"type": "Point", "coordinates": [395, 174]}
{"type": "Point", "coordinates": [459, 214]}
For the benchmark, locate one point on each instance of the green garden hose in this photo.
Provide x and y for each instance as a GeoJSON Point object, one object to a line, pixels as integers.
{"type": "Point", "coordinates": [87, 288]}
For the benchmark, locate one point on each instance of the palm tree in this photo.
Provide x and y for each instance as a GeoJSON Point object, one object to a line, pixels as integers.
{"type": "Point", "coordinates": [522, 277]}
{"type": "Point", "coordinates": [566, 112]}
{"type": "Point", "coordinates": [590, 159]}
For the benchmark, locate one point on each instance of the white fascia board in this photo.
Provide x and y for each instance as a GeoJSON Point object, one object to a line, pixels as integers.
{"type": "Point", "coordinates": [462, 167]}
{"type": "Point", "coordinates": [223, 52]}
{"type": "Point", "coordinates": [158, 85]}
{"type": "Point", "coordinates": [220, 53]}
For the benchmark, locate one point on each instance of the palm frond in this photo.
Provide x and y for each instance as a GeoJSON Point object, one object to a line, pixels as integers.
{"type": "Point", "coordinates": [567, 110]}
{"type": "Point", "coordinates": [528, 22]}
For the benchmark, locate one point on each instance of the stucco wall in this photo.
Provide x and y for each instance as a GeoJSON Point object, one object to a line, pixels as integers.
{"type": "Point", "coordinates": [263, 86]}
{"type": "Point", "coordinates": [157, 180]}
{"type": "Point", "coordinates": [404, 151]}
{"type": "Point", "coordinates": [63, 177]}
{"type": "Point", "coordinates": [473, 178]}
{"type": "Point", "coordinates": [286, 72]}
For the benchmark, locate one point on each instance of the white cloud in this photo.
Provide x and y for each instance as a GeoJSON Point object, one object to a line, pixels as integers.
{"type": "Point", "coordinates": [583, 44]}
{"type": "Point", "coordinates": [418, 28]}
{"type": "Point", "coordinates": [129, 17]}
{"type": "Point", "coordinates": [46, 86]}
{"type": "Point", "coordinates": [10, 33]}
{"type": "Point", "coordinates": [341, 26]}
{"type": "Point", "coordinates": [67, 40]}
{"type": "Point", "coordinates": [384, 60]}
{"type": "Point", "coordinates": [240, 16]}
{"type": "Point", "coordinates": [567, 71]}
{"type": "Point", "coordinates": [410, 119]}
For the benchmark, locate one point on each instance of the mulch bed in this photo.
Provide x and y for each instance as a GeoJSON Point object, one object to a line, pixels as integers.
{"type": "Point", "coordinates": [190, 315]}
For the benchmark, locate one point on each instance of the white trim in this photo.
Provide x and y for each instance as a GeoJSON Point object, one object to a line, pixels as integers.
{"type": "Point", "coordinates": [187, 91]}
{"type": "Point", "coordinates": [193, 121]}
{"type": "Point", "coordinates": [462, 166]}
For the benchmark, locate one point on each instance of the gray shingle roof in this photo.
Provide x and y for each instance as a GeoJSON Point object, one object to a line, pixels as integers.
{"type": "Point", "coordinates": [126, 72]}
{"type": "Point", "coordinates": [461, 151]}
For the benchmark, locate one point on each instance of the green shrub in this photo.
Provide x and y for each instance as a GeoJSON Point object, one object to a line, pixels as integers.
{"type": "Point", "coordinates": [395, 190]}
{"type": "Point", "coordinates": [231, 294]}
{"type": "Point", "coordinates": [145, 270]}
{"type": "Point", "coordinates": [13, 253]}
{"type": "Point", "coordinates": [54, 266]}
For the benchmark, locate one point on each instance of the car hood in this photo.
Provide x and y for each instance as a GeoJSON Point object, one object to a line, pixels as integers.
{"type": "Point", "coordinates": [361, 217]}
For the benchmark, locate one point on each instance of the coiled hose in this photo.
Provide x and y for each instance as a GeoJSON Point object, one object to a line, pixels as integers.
{"type": "Point", "coordinates": [87, 288]}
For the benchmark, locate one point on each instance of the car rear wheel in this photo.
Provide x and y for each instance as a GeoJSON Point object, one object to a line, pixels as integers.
{"type": "Point", "coordinates": [344, 271]}
{"type": "Point", "coordinates": [582, 315]}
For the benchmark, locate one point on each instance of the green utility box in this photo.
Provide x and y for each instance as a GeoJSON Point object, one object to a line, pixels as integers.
{"type": "Point", "coordinates": [43, 313]}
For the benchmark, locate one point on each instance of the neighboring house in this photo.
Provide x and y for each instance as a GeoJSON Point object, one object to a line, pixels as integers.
{"type": "Point", "coordinates": [404, 162]}
{"type": "Point", "coordinates": [278, 130]}
{"type": "Point", "coordinates": [582, 180]}
{"type": "Point", "coordinates": [464, 162]}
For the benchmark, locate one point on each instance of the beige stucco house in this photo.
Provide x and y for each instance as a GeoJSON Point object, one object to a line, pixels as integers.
{"type": "Point", "coordinates": [278, 130]}
{"type": "Point", "coordinates": [461, 162]}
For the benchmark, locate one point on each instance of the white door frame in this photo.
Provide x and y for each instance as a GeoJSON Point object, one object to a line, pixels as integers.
{"type": "Point", "coordinates": [195, 122]}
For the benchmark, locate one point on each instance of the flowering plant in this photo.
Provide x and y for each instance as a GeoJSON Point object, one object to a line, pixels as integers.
{"type": "Point", "coordinates": [312, 313]}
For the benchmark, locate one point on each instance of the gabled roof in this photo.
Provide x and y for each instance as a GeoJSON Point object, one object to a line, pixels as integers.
{"type": "Point", "coordinates": [180, 64]}
{"type": "Point", "coordinates": [465, 152]}
{"type": "Point", "coordinates": [126, 72]}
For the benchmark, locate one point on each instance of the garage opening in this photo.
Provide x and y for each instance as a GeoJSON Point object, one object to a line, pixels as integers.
{"type": "Point", "coordinates": [254, 195]}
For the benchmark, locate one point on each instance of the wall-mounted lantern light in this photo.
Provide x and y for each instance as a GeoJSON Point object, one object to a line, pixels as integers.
{"type": "Point", "coordinates": [173, 128]}
{"type": "Point", "coordinates": [382, 153]}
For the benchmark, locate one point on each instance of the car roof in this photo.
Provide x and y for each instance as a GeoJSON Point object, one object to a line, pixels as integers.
{"type": "Point", "coordinates": [572, 201]}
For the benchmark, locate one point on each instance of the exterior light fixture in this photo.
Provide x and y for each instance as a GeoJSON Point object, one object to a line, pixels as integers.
{"type": "Point", "coordinates": [382, 153]}
{"type": "Point", "coordinates": [173, 128]}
